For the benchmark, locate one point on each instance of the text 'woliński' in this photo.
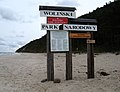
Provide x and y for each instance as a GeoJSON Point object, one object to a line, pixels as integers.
{"type": "Point", "coordinates": [58, 14]}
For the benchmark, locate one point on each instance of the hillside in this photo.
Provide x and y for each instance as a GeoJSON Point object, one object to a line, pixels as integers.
{"type": "Point", "coordinates": [36, 46]}
{"type": "Point", "coordinates": [108, 35]}
{"type": "Point", "coordinates": [107, 38]}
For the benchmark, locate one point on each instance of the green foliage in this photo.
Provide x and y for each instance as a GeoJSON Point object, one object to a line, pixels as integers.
{"type": "Point", "coordinates": [108, 35]}
{"type": "Point", "coordinates": [35, 46]}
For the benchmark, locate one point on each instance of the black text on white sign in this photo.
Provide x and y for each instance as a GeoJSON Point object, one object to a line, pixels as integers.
{"type": "Point", "coordinates": [69, 14]}
{"type": "Point", "coordinates": [50, 26]}
{"type": "Point", "coordinates": [80, 27]}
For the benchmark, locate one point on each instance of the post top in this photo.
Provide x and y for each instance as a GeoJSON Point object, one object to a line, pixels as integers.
{"type": "Point", "coordinates": [57, 8]}
{"type": "Point", "coordinates": [82, 20]}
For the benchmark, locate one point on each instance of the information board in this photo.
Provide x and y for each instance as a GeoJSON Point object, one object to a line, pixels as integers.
{"type": "Point", "coordinates": [59, 41]}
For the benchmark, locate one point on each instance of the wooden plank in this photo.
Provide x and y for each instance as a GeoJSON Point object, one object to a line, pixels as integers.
{"type": "Point", "coordinates": [80, 35]}
{"type": "Point", "coordinates": [90, 41]}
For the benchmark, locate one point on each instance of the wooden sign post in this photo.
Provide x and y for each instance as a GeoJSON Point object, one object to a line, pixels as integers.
{"type": "Point", "coordinates": [90, 57]}
{"type": "Point", "coordinates": [69, 61]}
{"type": "Point", "coordinates": [50, 60]}
{"type": "Point", "coordinates": [82, 25]}
{"type": "Point", "coordinates": [61, 22]}
{"type": "Point", "coordinates": [55, 17]}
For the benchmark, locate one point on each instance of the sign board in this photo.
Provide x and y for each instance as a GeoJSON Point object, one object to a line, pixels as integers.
{"type": "Point", "coordinates": [76, 27]}
{"type": "Point", "coordinates": [80, 35]}
{"type": "Point", "coordinates": [50, 26]}
{"type": "Point", "coordinates": [47, 13]}
{"type": "Point", "coordinates": [59, 41]}
{"type": "Point", "coordinates": [90, 41]}
{"type": "Point", "coordinates": [57, 20]}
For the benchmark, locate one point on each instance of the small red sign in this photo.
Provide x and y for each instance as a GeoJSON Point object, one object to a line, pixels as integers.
{"type": "Point", "coordinates": [57, 20]}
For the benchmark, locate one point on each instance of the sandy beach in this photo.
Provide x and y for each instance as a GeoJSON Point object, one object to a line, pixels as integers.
{"type": "Point", "coordinates": [23, 72]}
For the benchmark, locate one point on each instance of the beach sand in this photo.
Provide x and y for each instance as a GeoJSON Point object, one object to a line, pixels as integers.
{"type": "Point", "coordinates": [23, 72]}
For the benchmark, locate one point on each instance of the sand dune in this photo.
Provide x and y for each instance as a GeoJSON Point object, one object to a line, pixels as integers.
{"type": "Point", "coordinates": [23, 73]}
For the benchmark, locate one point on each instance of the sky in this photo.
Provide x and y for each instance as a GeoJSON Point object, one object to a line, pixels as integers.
{"type": "Point", "coordinates": [20, 20]}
